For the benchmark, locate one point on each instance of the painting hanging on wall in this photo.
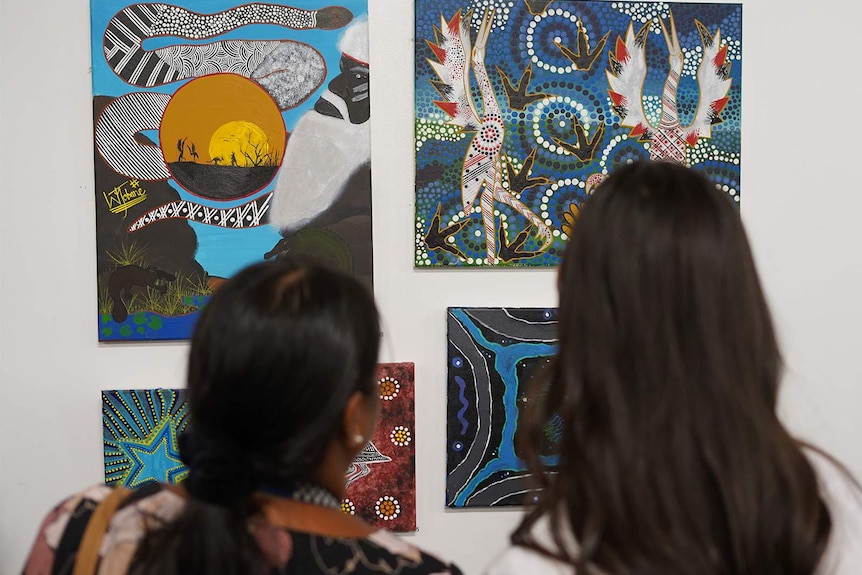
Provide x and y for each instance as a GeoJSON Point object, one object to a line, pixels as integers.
{"type": "Point", "coordinates": [140, 440]}
{"type": "Point", "coordinates": [381, 483]}
{"type": "Point", "coordinates": [140, 428]}
{"type": "Point", "coordinates": [524, 106]}
{"type": "Point", "coordinates": [495, 357]}
{"type": "Point", "coordinates": [225, 134]}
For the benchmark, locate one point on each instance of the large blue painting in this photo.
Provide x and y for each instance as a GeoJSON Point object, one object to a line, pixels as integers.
{"type": "Point", "coordinates": [225, 133]}
{"type": "Point", "coordinates": [497, 359]}
{"type": "Point", "coordinates": [523, 107]}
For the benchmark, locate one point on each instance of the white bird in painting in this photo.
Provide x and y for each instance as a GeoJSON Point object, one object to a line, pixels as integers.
{"type": "Point", "coordinates": [626, 75]}
{"type": "Point", "coordinates": [481, 173]}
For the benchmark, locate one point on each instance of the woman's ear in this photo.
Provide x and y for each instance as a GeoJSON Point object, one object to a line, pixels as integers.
{"type": "Point", "coordinates": [360, 418]}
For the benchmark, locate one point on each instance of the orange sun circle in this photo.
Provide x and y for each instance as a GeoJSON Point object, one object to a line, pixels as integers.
{"type": "Point", "coordinates": [222, 123]}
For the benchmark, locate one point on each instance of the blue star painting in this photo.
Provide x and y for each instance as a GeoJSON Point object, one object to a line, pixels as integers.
{"type": "Point", "coordinates": [494, 355]}
{"type": "Point", "coordinates": [140, 428]}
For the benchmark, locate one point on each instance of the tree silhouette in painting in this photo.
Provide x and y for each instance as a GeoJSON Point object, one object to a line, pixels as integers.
{"type": "Point", "coordinates": [208, 173]}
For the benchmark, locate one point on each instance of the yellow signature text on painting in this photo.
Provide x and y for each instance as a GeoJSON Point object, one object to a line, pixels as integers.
{"type": "Point", "coordinates": [128, 194]}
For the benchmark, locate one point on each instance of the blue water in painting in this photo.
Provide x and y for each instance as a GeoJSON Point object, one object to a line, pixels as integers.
{"type": "Point", "coordinates": [507, 358]}
{"type": "Point", "coordinates": [147, 325]}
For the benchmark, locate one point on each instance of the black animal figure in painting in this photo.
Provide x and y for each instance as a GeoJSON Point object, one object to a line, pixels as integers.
{"type": "Point", "coordinates": [128, 277]}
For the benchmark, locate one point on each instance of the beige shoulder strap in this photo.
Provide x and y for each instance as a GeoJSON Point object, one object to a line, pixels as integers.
{"type": "Point", "coordinates": [87, 559]}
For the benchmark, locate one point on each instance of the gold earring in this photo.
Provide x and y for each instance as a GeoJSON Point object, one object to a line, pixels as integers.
{"type": "Point", "coordinates": [358, 439]}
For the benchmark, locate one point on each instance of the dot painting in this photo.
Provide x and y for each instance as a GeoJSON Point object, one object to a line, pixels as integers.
{"type": "Point", "coordinates": [348, 507]}
{"type": "Point", "coordinates": [388, 388]}
{"type": "Point", "coordinates": [140, 429]}
{"type": "Point", "coordinates": [514, 134]}
{"type": "Point", "coordinates": [385, 494]}
{"type": "Point", "coordinates": [387, 508]}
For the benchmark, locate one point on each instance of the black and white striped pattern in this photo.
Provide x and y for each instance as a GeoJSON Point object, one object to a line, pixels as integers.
{"type": "Point", "coordinates": [247, 215]}
{"type": "Point", "coordinates": [115, 135]}
{"type": "Point", "coordinates": [125, 33]}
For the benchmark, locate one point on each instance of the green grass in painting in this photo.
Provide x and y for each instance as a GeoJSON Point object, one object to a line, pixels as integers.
{"type": "Point", "coordinates": [180, 297]}
{"type": "Point", "coordinates": [104, 300]}
{"type": "Point", "coordinates": [128, 255]}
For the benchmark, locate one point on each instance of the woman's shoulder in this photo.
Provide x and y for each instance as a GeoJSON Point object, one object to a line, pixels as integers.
{"type": "Point", "coordinates": [843, 497]}
{"type": "Point", "coordinates": [516, 559]}
{"type": "Point", "coordinates": [381, 551]}
{"type": "Point", "coordinates": [835, 480]}
{"type": "Point", "coordinates": [59, 537]}
{"type": "Point", "coordinates": [401, 548]}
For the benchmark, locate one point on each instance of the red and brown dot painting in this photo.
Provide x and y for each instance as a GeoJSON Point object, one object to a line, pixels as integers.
{"type": "Point", "coordinates": [381, 482]}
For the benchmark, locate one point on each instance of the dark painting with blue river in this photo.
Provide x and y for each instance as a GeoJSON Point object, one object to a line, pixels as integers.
{"type": "Point", "coordinates": [498, 359]}
{"type": "Point", "coordinates": [224, 134]}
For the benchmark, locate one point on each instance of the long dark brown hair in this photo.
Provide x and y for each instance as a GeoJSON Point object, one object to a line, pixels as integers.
{"type": "Point", "coordinates": [672, 457]}
{"type": "Point", "coordinates": [276, 354]}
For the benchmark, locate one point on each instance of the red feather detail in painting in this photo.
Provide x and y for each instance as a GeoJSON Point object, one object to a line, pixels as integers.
{"type": "Point", "coordinates": [438, 51]}
{"type": "Point", "coordinates": [720, 57]}
{"type": "Point", "coordinates": [450, 108]}
{"type": "Point", "coordinates": [692, 137]}
{"type": "Point", "coordinates": [455, 22]}
{"type": "Point", "coordinates": [638, 130]}
{"type": "Point", "coordinates": [719, 105]}
{"type": "Point", "coordinates": [622, 51]}
{"type": "Point", "coordinates": [618, 99]}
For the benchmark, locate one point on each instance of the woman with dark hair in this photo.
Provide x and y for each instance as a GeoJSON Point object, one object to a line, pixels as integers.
{"type": "Point", "coordinates": [672, 458]}
{"type": "Point", "coordinates": [282, 397]}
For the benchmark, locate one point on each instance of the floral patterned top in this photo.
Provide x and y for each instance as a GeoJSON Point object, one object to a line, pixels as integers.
{"type": "Point", "coordinates": [287, 551]}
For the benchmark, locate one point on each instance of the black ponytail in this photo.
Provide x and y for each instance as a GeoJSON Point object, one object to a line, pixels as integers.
{"type": "Point", "coordinates": [275, 356]}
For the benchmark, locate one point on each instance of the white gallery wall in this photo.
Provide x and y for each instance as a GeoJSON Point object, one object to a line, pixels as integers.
{"type": "Point", "coordinates": [801, 202]}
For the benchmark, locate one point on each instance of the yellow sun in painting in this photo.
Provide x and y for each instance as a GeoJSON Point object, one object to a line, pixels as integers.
{"type": "Point", "coordinates": [240, 143]}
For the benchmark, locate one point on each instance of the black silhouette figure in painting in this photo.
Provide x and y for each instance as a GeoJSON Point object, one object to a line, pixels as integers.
{"type": "Point", "coordinates": [584, 58]}
{"type": "Point", "coordinates": [537, 7]}
{"type": "Point", "coordinates": [351, 85]}
{"type": "Point", "coordinates": [521, 180]}
{"type": "Point", "coordinates": [128, 277]}
{"type": "Point", "coordinates": [437, 239]}
{"type": "Point", "coordinates": [585, 148]}
{"type": "Point", "coordinates": [510, 252]}
{"type": "Point", "coordinates": [518, 96]}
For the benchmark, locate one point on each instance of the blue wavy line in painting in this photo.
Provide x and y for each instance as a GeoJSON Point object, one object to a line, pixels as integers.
{"type": "Point", "coordinates": [462, 385]}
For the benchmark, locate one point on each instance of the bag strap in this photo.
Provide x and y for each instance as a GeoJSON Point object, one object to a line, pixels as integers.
{"type": "Point", "coordinates": [87, 559]}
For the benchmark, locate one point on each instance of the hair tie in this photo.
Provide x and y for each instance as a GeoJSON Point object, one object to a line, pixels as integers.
{"type": "Point", "coordinates": [220, 472]}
